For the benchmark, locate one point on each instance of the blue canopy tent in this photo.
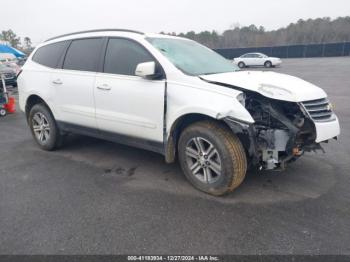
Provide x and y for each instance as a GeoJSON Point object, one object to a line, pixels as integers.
{"type": "Point", "coordinates": [11, 50]}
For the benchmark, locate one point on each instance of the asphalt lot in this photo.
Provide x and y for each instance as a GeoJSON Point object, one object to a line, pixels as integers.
{"type": "Point", "coordinates": [96, 197]}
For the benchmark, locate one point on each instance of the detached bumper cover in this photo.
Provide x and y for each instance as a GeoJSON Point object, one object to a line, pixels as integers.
{"type": "Point", "coordinates": [327, 130]}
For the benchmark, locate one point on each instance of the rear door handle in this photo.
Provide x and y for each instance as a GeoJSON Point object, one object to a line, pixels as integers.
{"type": "Point", "coordinates": [57, 82]}
{"type": "Point", "coordinates": [104, 87]}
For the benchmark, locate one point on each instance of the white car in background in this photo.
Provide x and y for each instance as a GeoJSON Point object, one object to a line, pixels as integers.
{"type": "Point", "coordinates": [257, 59]}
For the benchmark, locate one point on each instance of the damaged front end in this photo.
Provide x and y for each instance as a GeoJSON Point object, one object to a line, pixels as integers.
{"type": "Point", "coordinates": [282, 131]}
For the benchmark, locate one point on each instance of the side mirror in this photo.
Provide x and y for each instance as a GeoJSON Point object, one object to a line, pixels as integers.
{"type": "Point", "coordinates": [146, 69]}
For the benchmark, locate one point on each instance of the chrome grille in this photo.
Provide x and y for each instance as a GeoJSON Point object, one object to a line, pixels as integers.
{"type": "Point", "coordinates": [319, 109]}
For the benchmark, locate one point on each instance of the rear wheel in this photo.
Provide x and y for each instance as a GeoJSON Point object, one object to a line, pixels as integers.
{"type": "Point", "coordinates": [44, 128]}
{"type": "Point", "coordinates": [212, 158]}
{"type": "Point", "coordinates": [241, 65]}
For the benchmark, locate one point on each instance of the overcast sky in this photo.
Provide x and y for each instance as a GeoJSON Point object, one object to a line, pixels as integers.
{"type": "Point", "coordinates": [41, 19]}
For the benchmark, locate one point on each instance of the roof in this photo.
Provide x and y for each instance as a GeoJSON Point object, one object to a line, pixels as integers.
{"type": "Point", "coordinates": [95, 31]}
{"type": "Point", "coordinates": [106, 32]}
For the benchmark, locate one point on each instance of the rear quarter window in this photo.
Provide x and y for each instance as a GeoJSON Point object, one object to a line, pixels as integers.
{"type": "Point", "coordinates": [49, 55]}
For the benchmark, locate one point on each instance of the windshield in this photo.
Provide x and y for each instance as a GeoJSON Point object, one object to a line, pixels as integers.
{"type": "Point", "coordinates": [191, 57]}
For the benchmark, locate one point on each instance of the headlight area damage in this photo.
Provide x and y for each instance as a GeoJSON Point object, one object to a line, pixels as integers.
{"type": "Point", "coordinates": [282, 131]}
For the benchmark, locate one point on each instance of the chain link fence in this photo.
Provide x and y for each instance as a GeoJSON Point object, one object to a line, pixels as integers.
{"type": "Point", "coordinates": [292, 51]}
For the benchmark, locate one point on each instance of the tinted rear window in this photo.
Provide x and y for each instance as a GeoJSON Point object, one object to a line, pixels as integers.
{"type": "Point", "coordinates": [122, 56]}
{"type": "Point", "coordinates": [50, 55]}
{"type": "Point", "coordinates": [83, 55]}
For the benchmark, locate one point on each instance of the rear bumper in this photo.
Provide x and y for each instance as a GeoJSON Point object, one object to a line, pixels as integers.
{"type": "Point", "coordinates": [327, 130]}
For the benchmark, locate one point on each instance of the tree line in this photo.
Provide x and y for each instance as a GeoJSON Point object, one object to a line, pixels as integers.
{"type": "Point", "coordinates": [320, 30]}
{"type": "Point", "coordinates": [13, 40]}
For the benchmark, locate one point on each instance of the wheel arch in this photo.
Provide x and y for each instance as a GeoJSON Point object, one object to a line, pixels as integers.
{"type": "Point", "coordinates": [241, 62]}
{"type": "Point", "coordinates": [183, 121]}
{"type": "Point", "coordinates": [33, 100]}
{"type": "Point", "coordinates": [268, 61]}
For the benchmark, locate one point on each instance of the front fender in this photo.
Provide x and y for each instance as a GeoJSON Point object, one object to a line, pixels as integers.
{"type": "Point", "coordinates": [194, 103]}
{"type": "Point", "coordinates": [211, 100]}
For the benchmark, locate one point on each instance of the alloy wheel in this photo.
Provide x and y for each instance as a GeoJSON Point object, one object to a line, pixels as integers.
{"type": "Point", "coordinates": [203, 160]}
{"type": "Point", "coordinates": [41, 127]}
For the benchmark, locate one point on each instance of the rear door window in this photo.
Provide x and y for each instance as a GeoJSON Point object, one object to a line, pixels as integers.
{"type": "Point", "coordinates": [123, 55]}
{"type": "Point", "coordinates": [83, 54]}
{"type": "Point", "coordinates": [49, 55]}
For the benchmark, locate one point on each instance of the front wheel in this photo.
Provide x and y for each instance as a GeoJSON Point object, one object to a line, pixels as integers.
{"type": "Point", "coordinates": [44, 128]}
{"type": "Point", "coordinates": [212, 158]}
{"type": "Point", "coordinates": [268, 64]}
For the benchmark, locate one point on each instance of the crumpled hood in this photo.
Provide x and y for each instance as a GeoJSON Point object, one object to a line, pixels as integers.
{"type": "Point", "coordinates": [270, 84]}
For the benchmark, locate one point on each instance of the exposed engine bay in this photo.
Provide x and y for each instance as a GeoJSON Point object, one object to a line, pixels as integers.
{"type": "Point", "coordinates": [282, 131]}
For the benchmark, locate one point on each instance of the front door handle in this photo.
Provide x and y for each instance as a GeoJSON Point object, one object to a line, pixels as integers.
{"type": "Point", "coordinates": [104, 87]}
{"type": "Point", "coordinates": [57, 82]}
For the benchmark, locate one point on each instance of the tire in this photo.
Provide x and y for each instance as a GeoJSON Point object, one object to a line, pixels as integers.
{"type": "Point", "coordinates": [41, 121]}
{"type": "Point", "coordinates": [268, 64]}
{"type": "Point", "coordinates": [227, 156]}
{"type": "Point", "coordinates": [241, 65]}
{"type": "Point", "coordinates": [3, 112]}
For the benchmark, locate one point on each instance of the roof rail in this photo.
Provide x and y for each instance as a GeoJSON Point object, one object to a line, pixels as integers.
{"type": "Point", "coordinates": [96, 30]}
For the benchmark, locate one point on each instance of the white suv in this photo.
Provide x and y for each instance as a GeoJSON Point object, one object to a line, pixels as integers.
{"type": "Point", "coordinates": [172, 96]}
